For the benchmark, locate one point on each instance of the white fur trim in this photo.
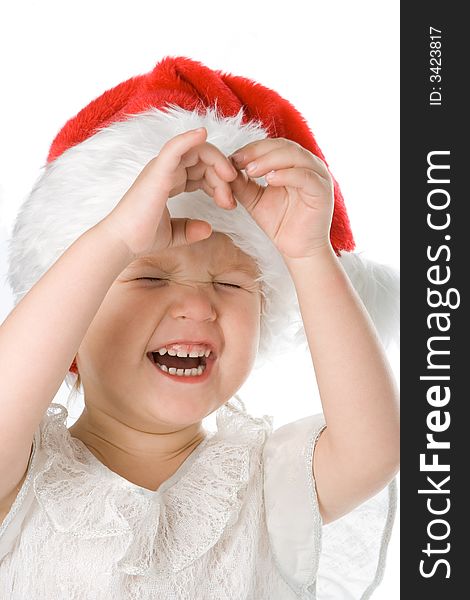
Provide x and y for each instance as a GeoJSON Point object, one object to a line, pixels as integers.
{"type": "Point", "coordinates": [378, 286]}
{"type": "Point", "coordinates": [82, 186]}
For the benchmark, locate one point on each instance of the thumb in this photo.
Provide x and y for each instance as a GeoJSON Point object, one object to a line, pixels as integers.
{"type": "Point", "coordinates": [189, 231]}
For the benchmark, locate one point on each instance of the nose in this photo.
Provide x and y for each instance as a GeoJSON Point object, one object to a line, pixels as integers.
{"type": "Point", "coordinates": [193, 301]}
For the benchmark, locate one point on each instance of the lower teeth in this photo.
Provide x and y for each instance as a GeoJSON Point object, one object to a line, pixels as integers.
{"type": "Point", "coordinates": [183, 372]}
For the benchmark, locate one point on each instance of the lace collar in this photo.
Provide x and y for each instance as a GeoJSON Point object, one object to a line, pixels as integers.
{"type": "Point", "coordinates": [168, 528]}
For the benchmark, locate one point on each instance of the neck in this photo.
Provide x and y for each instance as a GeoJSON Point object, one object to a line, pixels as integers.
{"type": "Point", "coordinates": [143, 457]}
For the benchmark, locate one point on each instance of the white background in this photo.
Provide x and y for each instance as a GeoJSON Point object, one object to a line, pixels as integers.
{"type": "Point", "coordinates": [337, 62]}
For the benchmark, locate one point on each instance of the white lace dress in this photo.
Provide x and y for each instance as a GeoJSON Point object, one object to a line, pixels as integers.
{"type": "Point", "coordinates": [237, 521]}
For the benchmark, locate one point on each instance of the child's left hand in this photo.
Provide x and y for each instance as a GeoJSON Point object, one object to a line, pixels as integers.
{"type": "Point", "coordinates": [295, 209]}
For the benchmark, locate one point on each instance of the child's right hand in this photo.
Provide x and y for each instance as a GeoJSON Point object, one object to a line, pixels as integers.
{"type": "Point", "coordinates": [185, 163]}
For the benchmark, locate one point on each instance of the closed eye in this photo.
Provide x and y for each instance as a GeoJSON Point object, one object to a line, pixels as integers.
{"type": "Point", "coordinates": [219, 282]}
{"type": "Point", "coordinates": [228, 284]}
{"type": "Point", "coordinates": [151, 278]}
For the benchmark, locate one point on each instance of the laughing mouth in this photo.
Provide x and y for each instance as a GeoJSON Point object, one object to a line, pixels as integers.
{"type": "Point", "coordinates": [178, 365]}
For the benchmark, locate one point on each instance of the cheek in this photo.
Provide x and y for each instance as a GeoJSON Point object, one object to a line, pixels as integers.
{"type": "Point", "coordinates": [114, 329]}
{"type": "Point", "coordinates": [245, 327]}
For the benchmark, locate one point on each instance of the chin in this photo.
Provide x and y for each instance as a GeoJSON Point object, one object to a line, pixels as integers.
{"type": "Point", "coordinates": [179, 410]}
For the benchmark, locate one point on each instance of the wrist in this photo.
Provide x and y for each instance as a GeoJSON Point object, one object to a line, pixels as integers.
{"type": "Point", "coordinates": [321, 267]}
{"type": "Point", "coordinates": [107, 232]}
{"type": "Point", "coordinates": [324, 253]}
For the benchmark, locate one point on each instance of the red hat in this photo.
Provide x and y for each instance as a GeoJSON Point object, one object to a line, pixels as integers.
{"type": "Point", "coordinates": [193, 86]}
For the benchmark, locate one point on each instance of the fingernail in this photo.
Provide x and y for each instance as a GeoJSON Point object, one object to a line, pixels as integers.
{"type": "Point", "coordinates": [251, 167]}
{"type": "Point", "coordinates": [270, 175]}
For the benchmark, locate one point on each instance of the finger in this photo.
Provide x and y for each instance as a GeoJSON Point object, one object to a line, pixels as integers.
{"type": "Point", "coordinates": [307, 180]}
{"type": "Point", "coordinates": [215, 193]}
{"type": "Point", "coordinates": [252, 150]}
{"type": "Point", "coordinates": [213, 157]}
{"type": "Point", "coordinates": [207, 154]}
{"type": "Point", "coordinates": [201, 170]}
{"type": "Point", "coordinates": [200, 184]}
{"type": "Point", "coordinates": [188, 231]}
{"type": "Point", "coordinates": [158, 175]}
{"type": "Point", "coordinates": [246, 190]}
{"type": "Point", "coordinates": [196, 172]}
{"type": "Point", "coordinates": [214, 187]}
{"type": "Point", "coordinates": [276, 153]}
{"type": "Point", "coordinates": [222, 190]}
{"type": "Point", "coordinates": [173, 150]}
{"type": "Point", "coordinates": [285, 157]}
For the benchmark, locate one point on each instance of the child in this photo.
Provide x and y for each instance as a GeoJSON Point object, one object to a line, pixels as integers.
{"type": "Point", "coordinates": [181, 216]}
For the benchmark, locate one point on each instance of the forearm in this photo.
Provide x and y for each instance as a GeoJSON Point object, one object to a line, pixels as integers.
{"type": "Point", "coordinates": [357, 388]}
{"type": "Point", "coordinates": [42, 334]}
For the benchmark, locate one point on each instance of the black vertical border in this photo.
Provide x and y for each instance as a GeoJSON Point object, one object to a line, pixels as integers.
{"type": "Point", "coordinates": [424, 129]}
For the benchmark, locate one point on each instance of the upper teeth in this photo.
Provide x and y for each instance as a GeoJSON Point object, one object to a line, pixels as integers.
{"type": "Point", "coordinates": [184, 353]}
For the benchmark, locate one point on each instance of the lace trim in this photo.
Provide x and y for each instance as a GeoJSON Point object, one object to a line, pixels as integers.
{"type": "Point", "coordinates": [169, 528]}
{"type": "Point", "coordinates": [386, 535]}
{"type": "Point", "coordinates": [310, 585]}
{"type": "Point", "coordinates": [20, 505]}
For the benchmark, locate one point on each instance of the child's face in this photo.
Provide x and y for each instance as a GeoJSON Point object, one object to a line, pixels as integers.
{"type": "Point", "coordinates": [138, 316]}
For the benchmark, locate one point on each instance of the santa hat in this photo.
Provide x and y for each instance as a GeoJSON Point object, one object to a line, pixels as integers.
{"type": "Point", "coordinates": [98, 153]}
